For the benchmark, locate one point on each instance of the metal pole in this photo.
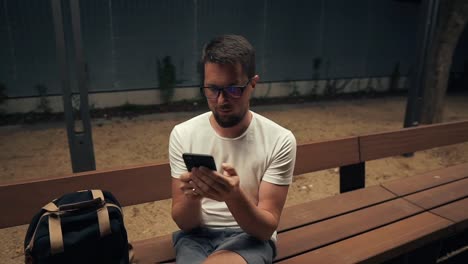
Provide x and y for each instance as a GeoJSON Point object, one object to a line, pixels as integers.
{"type": "Point", "coordinates": [426, 34]}
{"type": "Point", "coordinates": [79, 134]}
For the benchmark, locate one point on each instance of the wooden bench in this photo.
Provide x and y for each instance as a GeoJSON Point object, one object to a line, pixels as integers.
{"type": "Point", "coordinates": [385, 224]}
{"type": "Point", "coordinates": [375, 224]}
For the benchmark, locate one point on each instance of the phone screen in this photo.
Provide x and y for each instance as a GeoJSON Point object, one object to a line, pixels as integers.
{"type": "Point", "coordinates": [196, 160]}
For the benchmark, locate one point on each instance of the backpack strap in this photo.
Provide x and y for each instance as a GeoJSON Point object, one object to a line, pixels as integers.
{"type": "Point", "coordinates": [55, 228]}
{"type": "Point", "coordinates": [31, 241]}
{"type": "Point", "coordinates": [55, 233]}
{"type": "Point", "coordinates": [50, 207]}
{"type": "Point", "coordinates": [103, 215]}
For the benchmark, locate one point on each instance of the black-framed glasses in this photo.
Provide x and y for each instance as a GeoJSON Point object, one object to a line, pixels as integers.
{"type": "Point", "coordinates": [233, 91]}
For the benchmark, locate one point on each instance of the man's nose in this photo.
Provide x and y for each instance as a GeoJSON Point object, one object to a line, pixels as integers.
{"type": "Point", "coordinates": [222, 96]}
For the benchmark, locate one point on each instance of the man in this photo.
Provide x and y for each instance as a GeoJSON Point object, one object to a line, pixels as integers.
{"type": "Point", "coordinates": [230, 215]}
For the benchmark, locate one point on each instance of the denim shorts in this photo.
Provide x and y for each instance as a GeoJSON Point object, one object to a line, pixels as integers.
{"type": "Point", "coordinates": [196, 245]}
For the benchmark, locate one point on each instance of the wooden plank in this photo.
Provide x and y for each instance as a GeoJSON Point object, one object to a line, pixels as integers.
{"type": "Point", "coordinates": [381, 244]}
{"type": "Point", "coordinates": [427, 180]}
{"type": "Point", "coordinates": [300, 240]}
{"type": "Point", "coordinates": [456, 212]}
{"type": "Point", "coordinates": [326, 154]}
{"type": "Point", "coordinates": [146, 183]}
{"type": "Point", "coordinates": [440, 195]}
{"type": "Point", "coordinates": [408, 140]}
{"type": "Point", "coordinates": [154, 250]}
{"type": "Point", "coordinates": [318, 210]}
{"type": "Point", "coordinates": [133, 185]}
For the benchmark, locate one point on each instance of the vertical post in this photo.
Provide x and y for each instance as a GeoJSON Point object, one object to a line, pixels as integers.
{"type": "Point", "coordinates": [352, 177]}
{"type": "Point", "coordinates": [79, 133]}
{"type": "Point", "coordinates": [426, 29]}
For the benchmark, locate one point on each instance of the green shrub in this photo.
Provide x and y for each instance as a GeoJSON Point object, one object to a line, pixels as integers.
{"type": "Point", "coordinates": [2, 93]}
{"type": "Point", "coordinates": [44, 104]}
{"type": "Point", "coordinates": [167, 79]}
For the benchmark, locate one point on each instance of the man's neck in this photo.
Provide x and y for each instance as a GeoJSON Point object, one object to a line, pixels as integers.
{"type": "Point", "coordinates": [232, 132]}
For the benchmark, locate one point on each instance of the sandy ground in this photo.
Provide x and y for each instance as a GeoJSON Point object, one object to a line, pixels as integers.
{"type": "Point", "coordinates": [39, 150]}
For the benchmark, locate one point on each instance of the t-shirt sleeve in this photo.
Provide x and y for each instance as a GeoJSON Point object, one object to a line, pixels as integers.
{"type": "Point", "coordinates": [175, 153]}
{"type": "Point", "coordinates": [281, 168]}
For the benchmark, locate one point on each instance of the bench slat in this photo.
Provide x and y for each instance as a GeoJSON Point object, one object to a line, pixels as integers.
{"type": "Point", "coordinates": [427, 180]}
{"type": "Point", "coordinates": [382, 145]}
{"type": "Point", "coordinates": [309, 237]}
{"type": "Point", "coordinates": [381, 244]}
{"type": "Point", "coordinates": [145, 183]}
{"type": "Point", "coordinates": [326, 154]}
{"type": "Point", "coordinates": [440, 195]}
{"type": "Point", "coordinates": [314, 211]}
{"type": "Point", "coordinates": [132, 185]}
{"type": "Point", "coordinates": [456, 212]}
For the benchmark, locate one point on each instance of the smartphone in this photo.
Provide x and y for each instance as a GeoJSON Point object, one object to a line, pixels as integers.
{"type": "Point", "coordinates": [196, 160]}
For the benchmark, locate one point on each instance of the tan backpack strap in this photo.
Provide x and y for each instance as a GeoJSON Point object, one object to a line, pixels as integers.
{"type": "Point", "coordinates": [103, 215]}
{"type": "Point", "coordinates": [97, 194]}
{"type": "Point", "coordinates": [55, 232]}
{"type": "Point", "coordinates": [50, 207]}
{"type": "Point", "coordinates": [131, 254]}
{"type": "Point", "coordinates": [31, 242]}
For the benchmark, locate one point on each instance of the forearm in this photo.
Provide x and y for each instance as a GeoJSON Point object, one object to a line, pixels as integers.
{"type": "Point", "coordinates": [187, 214]}
{"type": "Point", "coordinates": [253, 220]}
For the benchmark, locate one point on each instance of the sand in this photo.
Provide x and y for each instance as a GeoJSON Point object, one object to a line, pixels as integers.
{"type": "Point", "coordinates": [33, 151]}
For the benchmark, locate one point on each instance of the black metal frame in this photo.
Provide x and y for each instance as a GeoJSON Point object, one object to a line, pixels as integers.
{"type": "Point", "coordinates": [352, 177]}
{"type": "Point", "coordinates": [426, 31]}
{"type": "Point", "coordinates": [78, 130]}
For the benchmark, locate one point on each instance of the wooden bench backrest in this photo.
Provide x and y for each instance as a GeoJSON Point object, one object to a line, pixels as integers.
{"type": "Point", "coordinates": [140, 184]}
{"type": "Point", "coordinates": [326, 154]}
{"type": "Point", "coordinates": [381, 145]}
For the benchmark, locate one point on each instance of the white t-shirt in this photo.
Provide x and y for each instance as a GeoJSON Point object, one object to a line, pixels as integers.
{"type": "Point", "coordinates": [264, 152]}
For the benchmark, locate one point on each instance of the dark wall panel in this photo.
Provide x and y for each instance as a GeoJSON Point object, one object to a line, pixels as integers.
{"type": "Point", "coordinates": [460, 56]}
{"type": "Point", "coordinates": [294, 39]}
{"type": "Point", "coordinates": [241, 17]}
{"type": "Point", "coordinates": [346, 31]}
{"type": "Point", "coordinates": [135, 35]}
{"type": "Point", "coordinates": [27, 35]}
{"type": "Point", "coordinates": [393, 38]}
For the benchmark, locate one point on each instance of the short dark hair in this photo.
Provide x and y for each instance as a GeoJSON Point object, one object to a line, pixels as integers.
{"type": "Point", "coordinates": [230, 49]}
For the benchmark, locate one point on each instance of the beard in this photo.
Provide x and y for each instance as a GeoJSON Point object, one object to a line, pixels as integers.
{"type": "Point", "coordinates": [227, 121]}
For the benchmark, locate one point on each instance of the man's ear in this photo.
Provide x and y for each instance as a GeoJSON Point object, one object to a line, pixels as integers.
{"type": "Point", "coordinates": [254, 81]}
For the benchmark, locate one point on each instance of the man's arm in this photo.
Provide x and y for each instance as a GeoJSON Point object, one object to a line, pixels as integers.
{"type": "Point", "coordinates": [259, 220]}
{"type": "Point", "coordinates": [262, 220]}
{"type": "Point", "coordinates": [185, 203]}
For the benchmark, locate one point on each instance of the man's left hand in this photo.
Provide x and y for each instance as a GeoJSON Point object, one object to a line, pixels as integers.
{"type": "Point", "coordinates": [216, 186]}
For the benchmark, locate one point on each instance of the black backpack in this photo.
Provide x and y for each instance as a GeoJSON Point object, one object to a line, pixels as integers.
{"type": "Point", "coordinates": [80, 227]}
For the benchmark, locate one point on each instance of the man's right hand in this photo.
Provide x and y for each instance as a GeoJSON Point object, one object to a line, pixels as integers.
{"type": "Point", "coordinates": [186, 203]}
{"type": "Point", "coordinates": [188, 187]}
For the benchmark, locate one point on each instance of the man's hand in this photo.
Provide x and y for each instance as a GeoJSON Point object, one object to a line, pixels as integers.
{"type": "Point", "coordinates": [188, 187]}
{"type": "Point", "coordinates": [216, 186]}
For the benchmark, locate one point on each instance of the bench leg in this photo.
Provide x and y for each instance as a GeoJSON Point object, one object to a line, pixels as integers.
{"type": "Point", "coordinates": [426, 254]}
{"type": "Point", "coordinates": [352, 177]}
{"type": "Point", "coordinates": [454, 249]}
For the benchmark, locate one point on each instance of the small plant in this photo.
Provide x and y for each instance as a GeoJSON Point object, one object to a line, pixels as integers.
{"type": "Point", "coordinates": [2, 96]}
{"type": "Point", "coordinates": [2, 93]}
{"type": "Point", "coordinates": [128, 107]}
{"type": "Point", "coordinates": [295, 92]}
{"type": "Point", "coordinates": [44, 103]}
{"type": "Point", "coordinates": [317, 63]}
{"type": "Point", "coordinates": [395, 78]}
{"type": "Point", "coordinates": [330, 88]}
{"type": "Point", "coordinates": [167, 79]}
